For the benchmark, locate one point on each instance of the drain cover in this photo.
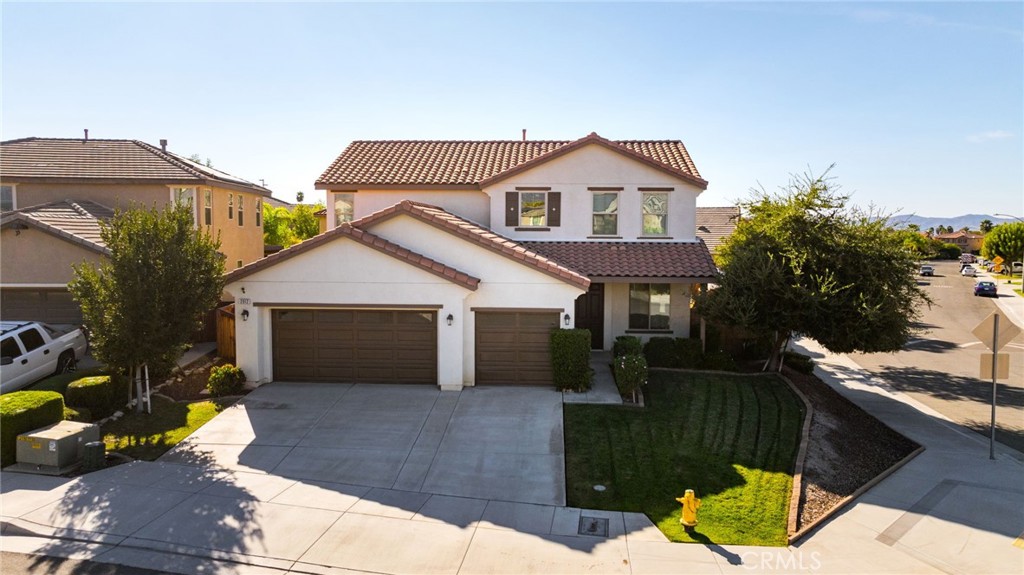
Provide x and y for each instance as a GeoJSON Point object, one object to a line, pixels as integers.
{"type": "Point", "coordinates": [596, 526]}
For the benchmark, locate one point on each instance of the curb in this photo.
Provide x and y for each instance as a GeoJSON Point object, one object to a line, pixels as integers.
{"type": "Point", "coordinates": [796, 494]}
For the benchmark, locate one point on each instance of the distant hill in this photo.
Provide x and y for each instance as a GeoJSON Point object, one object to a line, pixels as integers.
{"type": "Point", "coordinates": [970, 220]}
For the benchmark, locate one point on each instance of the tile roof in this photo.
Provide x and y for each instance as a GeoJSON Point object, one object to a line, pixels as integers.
{"type": "Point", "coordinates": [669, 260]}
{"type": "Point", "coordinates": [76, 221]}
{"type": "Point", "coordinates": [55, 159]}
{"type": "Point", "coordinates": [475, 164]}
{"type": "Point", "coordinates": [477, 234]}
{"type": "Point", "coordinates": [715, 224]}
{"type": "Point", "coordinates": [368, 239]}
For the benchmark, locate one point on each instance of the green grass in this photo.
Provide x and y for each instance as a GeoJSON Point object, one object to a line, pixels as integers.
{"type": "Point", "coordinates": [148, 436]}
{"type": "Point", "coordinates": [730, 438]}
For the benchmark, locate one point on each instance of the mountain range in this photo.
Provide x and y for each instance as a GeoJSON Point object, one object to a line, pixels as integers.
{"type": "Point", "coordinates": [972, 221]}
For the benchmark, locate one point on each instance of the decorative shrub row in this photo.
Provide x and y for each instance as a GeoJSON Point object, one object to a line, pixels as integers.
{"type": "Point", "coordinates": [798, 361]}
{"type": "Point", "coordinates": [630, 373]}
{"type": "Point", "coordinates": [100, 395]}
{"type": "Point", "coordinates": [684, 352]}
{"type": "Point", "coordinates": [570, 359]}
{"type": "Point", "coordinates": [24, 411]}
{"type": "Point", "coordinates": [226, 380]}
{"type": "Point", "coordinates": [627, 345]}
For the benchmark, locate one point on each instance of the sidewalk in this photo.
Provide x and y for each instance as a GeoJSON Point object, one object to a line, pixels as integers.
{"type": "Point", "coordinates": [950, 510]}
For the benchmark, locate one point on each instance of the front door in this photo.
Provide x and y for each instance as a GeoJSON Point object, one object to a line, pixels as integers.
{"type": "Point", "coordinates": [590, 314]}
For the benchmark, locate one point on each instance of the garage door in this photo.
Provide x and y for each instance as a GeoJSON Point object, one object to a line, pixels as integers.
{"type": "Point", "coordinates": [50, 306]}
{"type": "Point", "coordinates": [364, 346]}
{"type": "Point", "coordinates": [514, 348]}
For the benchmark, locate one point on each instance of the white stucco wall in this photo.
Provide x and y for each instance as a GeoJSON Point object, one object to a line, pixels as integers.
{"type": "Point", "coordinates": [616, 312]}
{"type": "Point", "coordinates": [596, 166]}
{"type": "Point", "coordinates": [470, 204]}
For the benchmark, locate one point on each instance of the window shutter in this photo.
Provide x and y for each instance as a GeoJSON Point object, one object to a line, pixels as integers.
{"type": "Point", "coordinates": [511, 209]}
{"type": "Point", "coordinates": [554, 209]}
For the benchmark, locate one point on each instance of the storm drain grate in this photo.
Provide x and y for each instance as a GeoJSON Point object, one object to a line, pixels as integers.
{"type": "Point", "coordinates": [596, 526]}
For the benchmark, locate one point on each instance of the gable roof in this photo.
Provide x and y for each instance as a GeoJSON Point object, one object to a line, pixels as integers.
{"type": "Point", "coordinates": [107, 161]}
{"type": "Point", "coordinates": [477, 234]}
{"type": "Point", "coordinates": [669, 260]}
{"type": "Point", "coordinates": [469, 164]}
{"type": "Point", "coordinates": [367, 239]}
{"type": "Point", "coordinates": [75, 221]}
{"type": "Point", "coordinates": [716, 224]}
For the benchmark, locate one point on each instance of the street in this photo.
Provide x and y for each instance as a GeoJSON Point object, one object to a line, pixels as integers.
{"type": "Point", "coordinates": [940, 368]}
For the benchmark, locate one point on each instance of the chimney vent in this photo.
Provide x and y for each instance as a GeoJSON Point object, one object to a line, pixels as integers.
{"type": "Point", "coordinates": [524, 134]}
{"type": "Point", "coordinates": [163, 145]}
{"type": "Point", "coordinates": [86, 135]}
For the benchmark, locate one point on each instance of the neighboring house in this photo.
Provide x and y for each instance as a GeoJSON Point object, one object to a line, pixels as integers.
{"type": "Point", "coordinates": [321, 219]}
{"type": "Point", "coordinates": [966, 241]}
{"type": "Point", "coordinates": [449, 262]}
{"type": "Point", "coordinates": [716, 224]}
{"type": "Point", "coordinates": [54, 192]}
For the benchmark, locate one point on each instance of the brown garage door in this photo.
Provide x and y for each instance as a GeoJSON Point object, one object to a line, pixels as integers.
{"type": "Point", "coordinates": [514, 348]}
{"type": "Point", "coordinates": [365, 346]}
{"type": "Point", "coordinates": [50, 306]}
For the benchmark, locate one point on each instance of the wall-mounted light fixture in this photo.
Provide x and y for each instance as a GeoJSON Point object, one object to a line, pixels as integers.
{"type": "Point", "coordinates": [18, 227]}
{"type": "Point", "coordinates": [243, 289]}
{"type": "Point", "coordinates": [567, 318]}
{"type": "Point", "coordinates": [450, 319]}
{"type": "Point", "coordinates": [245, 315]}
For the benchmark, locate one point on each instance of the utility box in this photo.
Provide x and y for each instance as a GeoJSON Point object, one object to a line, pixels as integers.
{"type": "Point", "coordinates": [54, 449]}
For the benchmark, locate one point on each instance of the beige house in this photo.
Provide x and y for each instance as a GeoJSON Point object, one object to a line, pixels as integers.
{"type": "Point", "coordinates": [54, 192]}
{"type": "Point", "coordinates": [966, 241]}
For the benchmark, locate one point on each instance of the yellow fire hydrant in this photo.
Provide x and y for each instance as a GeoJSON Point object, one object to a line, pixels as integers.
{"type": "Point", "coordinates": [690, 506]}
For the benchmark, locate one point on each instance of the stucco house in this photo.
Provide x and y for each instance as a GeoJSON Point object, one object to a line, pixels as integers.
{"type": "Point", "coordinates": [449, 262]}
{"type": "Point", "coordinates": [54, 192]}
{"type": "Point", "coordinates": [966, 241]}
{"type": "Point", "coordinates": [714, 224]}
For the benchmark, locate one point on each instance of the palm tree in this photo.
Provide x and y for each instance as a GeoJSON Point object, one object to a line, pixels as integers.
{"type": "Point", "coordinates": [986, 226]}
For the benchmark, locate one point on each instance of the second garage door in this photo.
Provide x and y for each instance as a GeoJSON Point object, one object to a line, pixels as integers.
{"type": "Point", "coordinates": [514, 347]}
{"type": "Point", "coordinates": [363, 346]}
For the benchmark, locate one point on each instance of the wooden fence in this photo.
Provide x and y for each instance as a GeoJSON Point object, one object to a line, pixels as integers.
{"type": "Point", "coordinates": [226, 332]}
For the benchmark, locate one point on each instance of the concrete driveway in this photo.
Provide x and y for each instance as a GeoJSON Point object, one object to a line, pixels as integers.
{"type": "Point", "coordinates": [496, 443]}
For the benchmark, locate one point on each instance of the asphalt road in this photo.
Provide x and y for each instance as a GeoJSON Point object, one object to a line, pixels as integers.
{"type": "Point", "coordinates": [941, 367]}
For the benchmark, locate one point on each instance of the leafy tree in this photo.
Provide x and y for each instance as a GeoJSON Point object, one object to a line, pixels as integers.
{"type": "Point", "coordinates": [145, 301]}
{"type": "Point", "coordinates": [277, 224]}
{"type": "Point", "coordinates": [948, 251]}
{"type": "Point", "coordinates": [304, 222]}
{"type": "Point", "coordinates": [199, 160]}
{"type": "Point", "coordinates": [985, 226]}
{"type": "Point", "coordinates": [1005, 241]}
{"type": "Point", "coordinates": [805, 263]}
{"type": "Point", "coordinates": [914, 227]}
{"type": "Point", "coordinates": [919, 246]}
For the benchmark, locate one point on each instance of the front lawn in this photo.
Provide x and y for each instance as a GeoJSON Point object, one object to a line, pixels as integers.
{"type": "Point", "coordinates": [731, 438]}
{"type": "Point", "coordinates": [148, 436]}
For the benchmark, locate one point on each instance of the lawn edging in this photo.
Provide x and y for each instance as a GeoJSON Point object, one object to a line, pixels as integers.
{"type": "Point", "coordinates": [859, 491]}
{"type": "Point", "coordinates": [798, 465]}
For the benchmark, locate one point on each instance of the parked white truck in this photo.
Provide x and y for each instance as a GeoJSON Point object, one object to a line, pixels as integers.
{"type": "Point", "coordinates": [30, 351]}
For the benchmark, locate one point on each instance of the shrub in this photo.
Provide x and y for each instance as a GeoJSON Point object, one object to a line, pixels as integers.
{"type": "Point", "coordinates": [718, 361]}
{"type": "Point", "coordinates": [96, 394]}
{"type": "Point", "coordinates": [661, 352]}
{"type": "Point", "coordinates": [80, 414]}
{"type": "Point", "coordinates": [630, 373]}
{"type": "Point", "coordinates": [226, 380]}
{"type": "Point", "coordinates": [627, 345]}
{"type": "Point", "coordinates": [23, 411]}
{"type": "Point", "coordinates": [688, 352]}
{"type": "Point", "coordinates": [798, 361]}
{"type": "Point", "coordinates": [570, 359]}
{"type": "Point", "coordinates": [60, 382]}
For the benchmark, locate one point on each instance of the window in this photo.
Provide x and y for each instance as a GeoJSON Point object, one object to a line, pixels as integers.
{"type": "Point", "coordinates": [606, 214]}
{"type": "Point", "coordinates": [31, 339]}
{"type": "Point", "coordinates": [9, 348]}
{"type": "Point", "coordinates": [208, 207]}
{"type": "Point", "coordinates": [655, 209]}
{"type": "Point", "coordinates": [533, 210]}
{"type": "Point", "coordinates": [648, 306]}
{"type": "Point", "coordinates": [259, 213]}
{"type": "Point", "coordinates": [231, 206]}
{"type": "Point", "coordinates": [183, 195]}
{"type": "Point", "coordinates": [7, 202]}
{"type": "Point", "coordinates": [241, 205]}
{"type": "Point", "coordinates": [344, 208]}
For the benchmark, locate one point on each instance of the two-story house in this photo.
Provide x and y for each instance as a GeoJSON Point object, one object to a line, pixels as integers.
{"type": "Point", "coordinates": [449, 262]}
{"type": "Point", "coordinates": [54, 193]}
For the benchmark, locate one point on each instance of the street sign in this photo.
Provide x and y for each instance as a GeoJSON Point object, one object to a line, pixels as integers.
{"type": "Point", "coordinates": [1007, 331]}
{"type": "Point", "coordinates": [1002, 366]}
{"type": "Point", "coordinates": [997, 260]}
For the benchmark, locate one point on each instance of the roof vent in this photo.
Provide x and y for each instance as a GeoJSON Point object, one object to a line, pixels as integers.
{"type": "Point", "coordinates": [163, 145]}
{"type": "Point", "coordinates": [86, 135]}
{"type": "Point", "coordinates": [524, 134]}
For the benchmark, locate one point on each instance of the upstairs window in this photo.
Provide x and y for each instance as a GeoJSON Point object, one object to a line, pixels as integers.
{"type": "Point", "coordinates": [259, 213]}
{"type": "Point", "coordinates": [241, 206]}
{"type": "Point", "coordinates": [7, 202]}
{"type": "Point", "coordinates": [655, 213]}
{"type": "Point", "coordinates": [649, 306]}
{"type": "Point", "coordinates": [186, 197]}
{"type": "Point", "coordinates": [533, 211]}
{"type": "Point", "coordinates": [208, 207]}
{"type": "Point", "coordinates": [231, 206]}
{"type": "Point", "coordinates": [606, 214]}
{"type": "Point", "coordinates": [344, 208]}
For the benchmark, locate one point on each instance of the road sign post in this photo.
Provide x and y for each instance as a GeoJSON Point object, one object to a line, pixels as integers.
{"type": "Point", "coordinates": [991, 333]}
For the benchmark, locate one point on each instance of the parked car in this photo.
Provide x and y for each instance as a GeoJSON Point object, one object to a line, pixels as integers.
{"type": "Point", "coordinates": [30, 351]}
{"type": "Point", "coordinates": [987, 289]}
{"type": "Point", "coordinates": [968, 271]}
{"type": "Point", "coordinates": [927, 271]}
{"type": "Point", "coordinates": [967, 258]}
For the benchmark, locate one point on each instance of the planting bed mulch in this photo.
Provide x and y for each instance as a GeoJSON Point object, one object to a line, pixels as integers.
{"type": "Point", "coordinates": [847, 448]}
{"type": "Point", "coordinates": [190, 383]}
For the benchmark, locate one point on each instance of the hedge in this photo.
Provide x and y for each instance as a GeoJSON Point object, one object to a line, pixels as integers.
{"type": "Point", "coordinates": [688, 353]}
{"type": "Point", "coordinates": [570, 359]}
{"type": "Point", "coordinates": [60, 382]}
{"type": "Point", "coordinates": [627, 345]}
{"type": "Point", "coordinates": [24, 411]}
{"type": "Point", "coordinates": [630, 373]}
{"type": "Point", "coordinates": [798, 361]}
{"type": "Point", "coordinates": [96, 394]}
{"type": "Point", "coordinates": [660, 352]}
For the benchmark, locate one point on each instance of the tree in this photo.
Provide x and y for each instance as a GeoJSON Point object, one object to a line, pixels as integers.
{"type": "Point", "coordinates": [299, 196]}
{"type": "Point", "coordinates": [145, 301]}
{"type": "Point", "coordinates": [985, 226]}
{"type": "Point", "coordinates": [277, 224]}
{"type": "Point", "coordinates": [199, 160]}
{"type": "Point", "coordinates": [304, 222]}
{"type": "Point", "coordinates": [1005, 241]}
{"type": "Point", "coordinates": [805, 263]}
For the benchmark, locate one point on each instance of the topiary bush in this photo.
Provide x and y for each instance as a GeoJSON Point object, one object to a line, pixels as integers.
{"type": "Point", "coordinates": [79, 414]}
{"type": "Point", "coordinates": [688, 353]}
{"type": "Point", "coordinates": [661, 352]}
{"type": "Point", "coordinates": [95, 394]}
{"type": "Point", "coordinates": [627, 345]}
{"type": "Point", "coordinates": [570, 359]}
{"type": "Point", "coordinates": [798, 361]}
{"type": "Point", "coordinates": [630, 373]}
{"type": "Point", "coordinates": [226, 379]}
{"type": "Point", "coordinates": [24, 411]}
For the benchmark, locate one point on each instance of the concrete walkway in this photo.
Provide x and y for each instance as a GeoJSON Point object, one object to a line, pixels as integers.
{"type": "Point", "coordinates": [951, 510]}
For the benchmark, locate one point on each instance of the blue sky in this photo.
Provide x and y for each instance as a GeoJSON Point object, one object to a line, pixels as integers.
{"type": "Point", "coordinates": [919, 105]}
